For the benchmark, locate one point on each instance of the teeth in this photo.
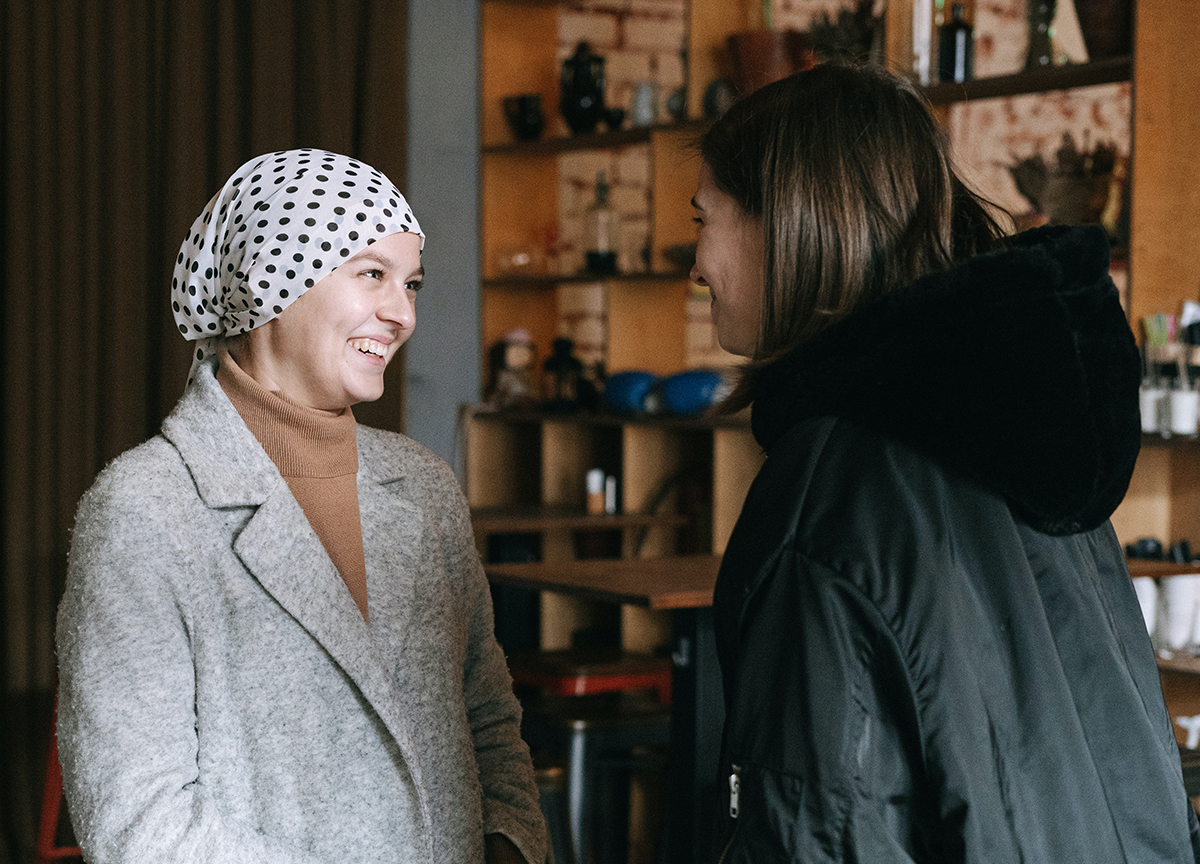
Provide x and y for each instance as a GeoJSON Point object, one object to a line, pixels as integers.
{"type": "Point", "coordinates": [369, 346]}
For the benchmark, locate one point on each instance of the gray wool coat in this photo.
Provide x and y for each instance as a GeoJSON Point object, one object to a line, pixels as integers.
{"type": "Point", "coordinates": [221, 698]}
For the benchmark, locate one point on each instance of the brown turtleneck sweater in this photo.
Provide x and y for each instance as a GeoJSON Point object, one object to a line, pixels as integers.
{"type": "Point", "coordinates": [316, 452]}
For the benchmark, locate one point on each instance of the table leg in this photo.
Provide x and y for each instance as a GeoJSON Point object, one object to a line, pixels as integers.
{"type": "Point", "coordinates": [697, 716]}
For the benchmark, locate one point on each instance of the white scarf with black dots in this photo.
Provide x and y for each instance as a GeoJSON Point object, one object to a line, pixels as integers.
{"type": "Point", "coordinates": [281, 223]}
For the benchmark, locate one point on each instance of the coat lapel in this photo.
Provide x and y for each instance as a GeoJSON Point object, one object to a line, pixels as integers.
{"type": "Point", "coordinates": [277, 545]}
{"type": "Point", "coordinates": [393, 531]}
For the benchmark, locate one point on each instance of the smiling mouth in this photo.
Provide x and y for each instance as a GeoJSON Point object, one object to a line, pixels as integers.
{"type": "Point", "coordinates": [369, 346]}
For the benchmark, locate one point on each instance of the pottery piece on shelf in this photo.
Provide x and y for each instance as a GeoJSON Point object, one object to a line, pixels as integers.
{"type": "Point", "coordinates": [763, 56]}
{"type": "Point", "coordinates": [1107, 27]}
{"type": "Point", "coordinates": [524, 115]}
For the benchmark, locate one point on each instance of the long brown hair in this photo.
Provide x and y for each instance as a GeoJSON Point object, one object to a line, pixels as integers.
{"type": "Point", "coordinates": [852, 180]}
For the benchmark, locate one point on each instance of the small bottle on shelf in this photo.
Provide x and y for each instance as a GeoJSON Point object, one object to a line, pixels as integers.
{"type": "Point", "coordinates": [956, 47]}
{"type": "Point", "coordinates": [602, 232]}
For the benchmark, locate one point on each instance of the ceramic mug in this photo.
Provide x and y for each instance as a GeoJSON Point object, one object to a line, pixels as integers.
{"type": "Point", "coordinates": [524, 114]}
{"type": "Point", "coordinates": [1150, 403]}
{"type": "Point", "coordinates": [1184, 406]}
{"type": "Point", "coordinates": [1178, 611]}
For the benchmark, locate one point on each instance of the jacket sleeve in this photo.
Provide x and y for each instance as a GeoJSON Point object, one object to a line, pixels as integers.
{"type": "Point", "coordinates": [127, 725]}
{"type": "Point", "coordinates": [510, 796]}
{"type": "Point", "coordinates": [823, 762]}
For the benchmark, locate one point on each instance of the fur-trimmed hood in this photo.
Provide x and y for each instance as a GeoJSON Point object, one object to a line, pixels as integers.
{"type": "Point", "coordinates": [1016, 368]}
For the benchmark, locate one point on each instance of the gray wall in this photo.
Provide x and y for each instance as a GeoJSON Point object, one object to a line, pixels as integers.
{"type": "Point", "coordinates": [443, 359]}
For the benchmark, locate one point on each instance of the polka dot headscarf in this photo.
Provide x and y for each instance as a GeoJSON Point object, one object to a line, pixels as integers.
{"type": "Point", "coordinates": [281, 223]}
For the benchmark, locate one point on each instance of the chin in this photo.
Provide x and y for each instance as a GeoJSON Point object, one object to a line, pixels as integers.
{"type": "Point", "coordinates": [366, 394]}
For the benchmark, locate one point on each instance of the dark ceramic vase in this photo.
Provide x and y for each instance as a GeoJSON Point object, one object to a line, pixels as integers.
{"type": "Point", "coordinates": [582, 90]}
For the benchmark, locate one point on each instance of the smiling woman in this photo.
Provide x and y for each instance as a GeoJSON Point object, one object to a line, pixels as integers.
{"type": "Point", "coordinates": [276, 642]}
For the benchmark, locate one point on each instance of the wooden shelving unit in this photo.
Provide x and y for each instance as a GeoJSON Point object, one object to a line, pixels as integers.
{"type": "Point", "coordinates": [525, 471]}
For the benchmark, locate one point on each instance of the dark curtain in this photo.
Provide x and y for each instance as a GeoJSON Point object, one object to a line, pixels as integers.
{"type": "Point", "coordinates": [120, 119]}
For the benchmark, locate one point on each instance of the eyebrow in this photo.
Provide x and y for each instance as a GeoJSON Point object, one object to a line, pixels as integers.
{"type": "Point", "coordinates": [389, 263]}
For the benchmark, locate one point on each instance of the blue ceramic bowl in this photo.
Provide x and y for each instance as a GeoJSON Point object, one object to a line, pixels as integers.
{"type": "Point", "coordinates": [625, 392]}
{"type": "Point", "coordinates": [690, 392]}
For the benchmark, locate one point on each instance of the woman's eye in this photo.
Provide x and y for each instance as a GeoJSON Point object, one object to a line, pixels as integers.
{"type": "Point", "coordinates": [413, 286]}
{"type": "Point", "coordinates": [373, 274]}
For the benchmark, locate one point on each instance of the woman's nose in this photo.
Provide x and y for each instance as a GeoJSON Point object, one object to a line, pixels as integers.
{"type": "Point", "coordinates": [694, 275]}
{"type": "Point", "coordinates": [399, 308]}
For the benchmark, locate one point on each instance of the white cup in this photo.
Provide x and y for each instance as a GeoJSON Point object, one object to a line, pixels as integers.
{"type": "Point", "coordinates": [1147, 594]}
{"type": "Point", "coordinates": [1178, 612]}
{"type": "Point", "coordinates": [1150, 401]}
{"type": "Point", "coordinates": [1185, 411]}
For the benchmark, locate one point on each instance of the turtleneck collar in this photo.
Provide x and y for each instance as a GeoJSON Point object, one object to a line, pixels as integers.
{"type": "Point", "coordinates": [301, 441]}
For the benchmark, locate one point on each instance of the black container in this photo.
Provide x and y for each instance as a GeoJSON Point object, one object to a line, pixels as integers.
{"type": "Point", "coordinates": [1040, 53]}
{"type": "Point", "coordinates": [562, 373]}
{"type": "Point", "coordinates": [524, 115]}
{"type": "Point", "coordinates": [582, 87]}
{"type": "Point", "coordinates": [956, 48]}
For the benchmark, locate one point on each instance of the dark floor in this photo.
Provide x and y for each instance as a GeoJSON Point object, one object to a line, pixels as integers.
{"type": "Point", "coordinates": [24, 738]}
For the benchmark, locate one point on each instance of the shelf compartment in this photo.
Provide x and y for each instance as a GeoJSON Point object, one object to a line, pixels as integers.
{"type": "Point", "coordinates": [1064, 77]}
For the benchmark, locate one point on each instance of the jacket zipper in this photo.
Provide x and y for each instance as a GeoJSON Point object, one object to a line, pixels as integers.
{"type": "Point", "coordinates": [735, 792]}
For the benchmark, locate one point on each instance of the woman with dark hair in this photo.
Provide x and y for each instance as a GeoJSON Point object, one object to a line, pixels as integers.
{"type": "Point", "coordinates": [930, 644]}
{"type": "Point", "coordinates": [276, 642]}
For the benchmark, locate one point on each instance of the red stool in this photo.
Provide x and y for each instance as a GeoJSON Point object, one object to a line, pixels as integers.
{"type": "Point", "coordinates": [45, 850]}
{"type": "Point", "coordinates": [582, 672]}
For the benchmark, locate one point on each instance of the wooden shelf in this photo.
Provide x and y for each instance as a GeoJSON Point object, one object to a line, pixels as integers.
{"type": "Point", "coordinates": [1179, 661]}
{"type": "Point", "coordinates": [548, 281]}
{"type": "Point", "coordinates": [1155, 440]}
{"type": "Point", "coordinates": [674, 582]}
{"type": "Point", "coordinates": [595, 141]}
{"type": "Point", "coordinates": [532, 520]}
{"type": "Point", "coordinates": [1159, 569]}
{"type": "Point", "coordinates": [1055, 78]}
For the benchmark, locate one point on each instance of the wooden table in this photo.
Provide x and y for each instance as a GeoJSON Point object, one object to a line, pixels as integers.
{"type": "Point", "coordinates": [684, 585]}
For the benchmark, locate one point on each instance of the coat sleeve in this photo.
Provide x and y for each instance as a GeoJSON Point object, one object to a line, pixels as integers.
{"type": "Point", "coordinates": [127, 724]}
{"type": "Point", "coordinates": [510, 796]}
{"type": "Point", "coordinates": [823, 758]}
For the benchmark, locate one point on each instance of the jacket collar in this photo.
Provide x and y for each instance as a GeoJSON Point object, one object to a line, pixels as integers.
{"type": "Point", "coordinates": [1016, 368]}
{"type": "Point", "coordinates": [279, 548]}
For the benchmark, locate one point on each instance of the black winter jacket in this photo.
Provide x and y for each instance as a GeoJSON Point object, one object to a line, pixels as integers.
{"type": "Point", "coordinates": [931, 647]}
